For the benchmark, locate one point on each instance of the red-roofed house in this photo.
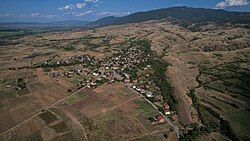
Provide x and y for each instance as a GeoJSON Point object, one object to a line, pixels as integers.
{"type": "Point", "coordinates": [160, 119]}
{"type": "Point", "coordinates": [166, 109]}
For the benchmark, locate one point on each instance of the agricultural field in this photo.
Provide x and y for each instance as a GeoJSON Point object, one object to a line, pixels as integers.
{"type": "Point", "coordinates": [110, 112]}
{"type": "Point", "coordinates": [19, 104]}
{"type": "Point", "coordinates": [15, 34]}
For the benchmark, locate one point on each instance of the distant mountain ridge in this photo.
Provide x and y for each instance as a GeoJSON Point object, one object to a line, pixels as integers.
{"type": "Point", "coordinates": [59, 24]}
{"type": "Point", "coordinates": [197, 15]}
{"type": "Point", "coordinates": [187, 14]}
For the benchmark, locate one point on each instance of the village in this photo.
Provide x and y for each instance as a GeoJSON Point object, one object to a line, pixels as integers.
{"type": "Point", "coordinates": [129, 66]}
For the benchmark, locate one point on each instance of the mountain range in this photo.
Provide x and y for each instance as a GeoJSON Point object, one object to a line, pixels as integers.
{"type": "Point", "coordinates": [195, 15]}
{"type": "Point", "coordinates": [183, 14]}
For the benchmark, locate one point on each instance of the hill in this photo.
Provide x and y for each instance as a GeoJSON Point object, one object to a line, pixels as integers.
{"type": "Point", "coordinates": [196, 15]}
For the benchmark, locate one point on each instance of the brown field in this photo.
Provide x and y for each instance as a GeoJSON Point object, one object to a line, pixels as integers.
{"type": "Point", "coordinates": [108, 112]}
{"type": "Point", "coordinates": [19, 105]}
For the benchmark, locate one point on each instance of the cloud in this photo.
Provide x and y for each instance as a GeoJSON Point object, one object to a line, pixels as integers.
{"type": "Point", "coordinates": [67, 7]}
{"type": "Point", "coordinates": [49, 16]}
{"type": "Point", "coordinates": [38, 15]}
{"type": "Point", "coordinates": [178, 4]}
{"type": "Point", "coordinates": [88, 12]}
{"type": "Point", "coordinates": [80, 5]}
{"type": "Point", "coordinates": [86, 3]}
{"type": "Point", "coordinates": [82, 14]}
{"type": "Point", "coordinates": [6, 15]}
{"type": "Point", "coordinates": [105, 14]}
{"type": "Point", "coordinates": [91, 1]}
{"type": "Point", "coordinates": [34, 14]}
{"type": "Point", "coordinates": [231, 3]}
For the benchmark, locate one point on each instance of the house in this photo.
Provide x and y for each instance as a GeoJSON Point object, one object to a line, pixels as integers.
{"type": "Point", "coordinates": [127, 80]}
{"type": "Point", "coordinates": [142, 91]}
{"type": "Point", "coordinates": [126, 75]}
{"type": "Point", "coordinates": [95, 74]}
{"type": "Point", "coordinates": [138, 89]}
{"type": "Point", "coordinates": [165, 106]}
{"type": "Point", "coordinates": [159, 119]}
{"type": "Point", "coordinates": [149, 94]}
{"type": "Point", "coordinates": [115, 66]}
{"type": "Point", "coordinates": [118, 77]}
{"type": "Point", "coordinates": [93, 83]}
{"type": "Point", "coordinates": [175, 118]}
{"type": "Point", "coordinates": [130, 85]}
{"type": "Point", "coordinates": [135, 81]}
{"type": "Point", "coordinates": [166, 109]}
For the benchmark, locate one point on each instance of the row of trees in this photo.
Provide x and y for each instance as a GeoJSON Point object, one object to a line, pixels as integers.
{"type": "Point", "coordinates": [161, 81]}
{"type": "Point", "coordinates": [159, 73]}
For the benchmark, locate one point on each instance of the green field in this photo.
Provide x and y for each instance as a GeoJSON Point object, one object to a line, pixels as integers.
{"type": "Point", "coordinates": [60, 127]}
{"type": "Point", "coordinates": [20, 33]}
{"type": "Point", "coordinates": [48, 117]}
{"type": "Point", "coordinates": [75, 98]}
{"type": "Point", "coordinates": [144, 107]}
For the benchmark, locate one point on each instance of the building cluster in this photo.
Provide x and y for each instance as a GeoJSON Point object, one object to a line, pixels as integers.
{"type": "Point", "coordinates": [115, 68]}
{"type": "Point", "coordinates": [121, 67]}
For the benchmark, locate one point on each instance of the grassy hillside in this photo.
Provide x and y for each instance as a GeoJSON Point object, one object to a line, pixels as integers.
{"type": "Point", "coordinates": [192, 15]}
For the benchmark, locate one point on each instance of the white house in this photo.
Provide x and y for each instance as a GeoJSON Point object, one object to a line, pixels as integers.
{"type": "Point", "coordinates": [149, 94]}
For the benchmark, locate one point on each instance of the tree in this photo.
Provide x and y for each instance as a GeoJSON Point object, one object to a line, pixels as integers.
{"type": "Point", "coordinates": [21, 83]}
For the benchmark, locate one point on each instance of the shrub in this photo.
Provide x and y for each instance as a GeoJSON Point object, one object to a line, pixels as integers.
{"type": "Point", "coordinates": [69, 48]}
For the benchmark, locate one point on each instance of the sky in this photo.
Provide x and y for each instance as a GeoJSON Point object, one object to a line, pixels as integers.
{"type": "Point", "coordinates": [90, 10]}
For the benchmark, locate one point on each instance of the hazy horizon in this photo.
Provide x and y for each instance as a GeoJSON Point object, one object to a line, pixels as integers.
{"type": "Point", "coordinates": [91, 10]}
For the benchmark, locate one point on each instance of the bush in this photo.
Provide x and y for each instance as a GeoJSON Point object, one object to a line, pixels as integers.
{"type": "Point", "coordinates": [227, 130]}
{"type": "Point", "coordinates": [69, 48]}
{"type": "Point", "coordinates": [46, 69]}
{"type": "Point", "coordinates": [144, 44]}
{"type": "Point", "coordinates": [21, 83]}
